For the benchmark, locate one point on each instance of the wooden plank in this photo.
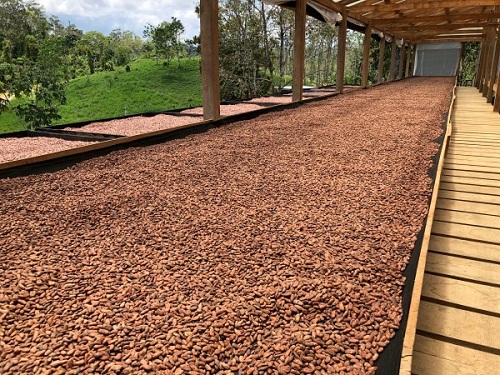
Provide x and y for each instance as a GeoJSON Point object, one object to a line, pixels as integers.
{"type": "Point", "coordinates": [465, 248]}
{"type": "Point", "coordinates": [470, 180]}
{"type": "Point", "coordinates": [209, 26]}
{"type": "Point", "coordinates": [459, 324]}
{"type": "Point", "coordinates": [436, 357]}
{"type": "Point", "coordinates": [463, 293]}
{"type": "Point", "coordinates": [460, 217]}
{"type": "Point", "coordinates": [475, 168]}
{"type": "Point", "coordinates": [462, 173]}
{"type": "Point", "coordinates": [366, 56]}
{"type": "Point", "coordinates": [473, 270]}
{"type": "Point", "coordinates": [341, 43]}
{"type": "Point", "coordinates": [453, 151]}
{"type": "Point", "coordinates": [381, 57]}
{"type": "Point", "coordinates": [470, 188]}
{"type": "Point", "coordinates": [470, 197]}
{"type": "Point", "coordinates": [472, 160]}
{"type": "Point", "coordinates": [457, 205]}
{"type": "Point", "coordinates": [466, 231]}
{"type": "Point", "coordinates": [299, 50]}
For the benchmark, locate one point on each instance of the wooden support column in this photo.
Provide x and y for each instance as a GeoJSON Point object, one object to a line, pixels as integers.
{"type": "Point", "coordinates": [486, 62]}
{"type": "Point", "coordinates": [392, 72]}
{"type": "Point", "coordinates": [366, 56]}
{"type": "Point", "coordinates": [496, 107]}
{"type": "Point", "coordinates": [401, 60]}
{"type": "Point", "coordinates": [413, 58]}
{"type": "Point", "coordinates": [408, 59]}
{"type": "Point", "coordinates": [480, 63]}
{"type": "Point", "coordinates": [342, 37]}
{"type": "Point", "coordinates": [494, 68]}
{"type": "Point", "coordinates": [209, 29]}
{"type": "Point", "coordinates": [489, 61]}
{"type": "Point", "coordinates": [381, 60]}
{"type": "Point", "coordinates": [299, 47]}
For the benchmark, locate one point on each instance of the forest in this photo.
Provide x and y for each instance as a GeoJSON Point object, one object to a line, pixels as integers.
{"type": "Point", "coordinates": [39, 55]}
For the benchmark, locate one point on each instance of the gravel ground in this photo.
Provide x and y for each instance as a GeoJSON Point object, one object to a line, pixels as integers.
{"type": "Point", "coordinates": [26, 147]}
{"type": "Point", "coordinates": [273, 245]}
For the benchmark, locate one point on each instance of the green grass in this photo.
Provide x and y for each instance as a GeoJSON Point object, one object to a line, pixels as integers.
{"type": "Point", "coordinates": [148, 87]}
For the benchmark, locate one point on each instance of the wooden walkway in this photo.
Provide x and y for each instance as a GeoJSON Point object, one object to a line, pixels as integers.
{"type": "Point", "coordinates": [458, 329]}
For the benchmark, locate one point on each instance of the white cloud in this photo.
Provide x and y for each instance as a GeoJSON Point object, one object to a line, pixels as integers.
{"type": "Point", "coordinates": [133, 15]}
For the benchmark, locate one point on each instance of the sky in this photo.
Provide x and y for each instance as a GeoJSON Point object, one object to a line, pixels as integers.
{"type": "Point", "coordinates": [131, 15]}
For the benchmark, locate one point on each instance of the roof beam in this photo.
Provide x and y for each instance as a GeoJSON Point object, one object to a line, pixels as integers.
{"type": "Point", "coordinates": [455, 26]}
{"type": "Point", "coordinates": [403, 20]}
{"type": "Point", "coordinates": [402, 6]}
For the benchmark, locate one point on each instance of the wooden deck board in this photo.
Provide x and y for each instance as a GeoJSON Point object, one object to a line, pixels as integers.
{"type": "Point", "coordinates": [459, 313]}
{"type": "Point", "coordinates": [434, 357]}
{"type": "Point", "coordinates": [455, 267]}
{"type": "Point", "coordinates": [469, 232]}
{"type": "Point", "coordinates": [468, 218]}
{"type": "Point", "coordinates": [458, 324]}
{"type": "Point", "coordinates": [465, 248]}
{"type": "Point", "coordinates": [459, 292]}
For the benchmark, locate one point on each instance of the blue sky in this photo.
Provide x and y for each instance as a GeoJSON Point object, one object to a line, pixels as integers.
{"type": "Point", "coordinates": [133, 15]}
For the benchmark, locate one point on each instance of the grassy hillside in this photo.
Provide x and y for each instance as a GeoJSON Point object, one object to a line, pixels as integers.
{"type": "Point", "coordinates": [149, 86]}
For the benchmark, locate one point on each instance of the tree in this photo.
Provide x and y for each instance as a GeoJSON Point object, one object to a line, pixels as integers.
{"type": "Point", "coordinates": [94, 46]}
{"type": "Point", "coordinates": [31, 63]}
{"type": "Point", "coordinates": [166, 38]}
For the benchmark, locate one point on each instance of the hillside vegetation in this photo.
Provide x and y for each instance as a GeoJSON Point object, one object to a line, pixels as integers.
{"type": "Point", "coordinates": [148, 87]}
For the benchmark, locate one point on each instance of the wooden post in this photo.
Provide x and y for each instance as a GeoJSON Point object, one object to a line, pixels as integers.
{"type": "Point", "coordinates": [480, 63]}
{"type": "Point", "coordinates": [496, 106]}
{"type": "Point", "coordinates": [342, 36]}
{"type": "Point", "coordinates": [381, 60]}
{"type": "Point", "coordinates": [494, 69]}
{"type": "Point", "coordinates": [209, 29]}
{"type": "Point", "coordinates": [392, 71]}
{"type": "Point", "coordinates": [366, 56]}
{"type": "Point", "coordinates": [299, 45]}
{"type": "Point", "coordinates": [408, 59]}
{"type": "Point", "coordinates": [413, 58]}
{"type": "Point", "coordinates": [401, 60]}
{"type": "Point", "coordinates": [489, 61]}
{"type": "Point", "coordinates": [486, 62]}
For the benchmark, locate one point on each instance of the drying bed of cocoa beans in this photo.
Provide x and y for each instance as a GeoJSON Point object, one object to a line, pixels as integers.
{"type": "Point", "coordinates": [269, 246]}
{"type": "Point", "coordinates": [26, 147]}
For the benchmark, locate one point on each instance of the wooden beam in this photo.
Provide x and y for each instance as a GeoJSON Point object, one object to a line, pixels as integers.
{"type": "Point", "coordinates": [407, 5]}
{"type": "Point", "coordinates": [408, 59]}
{"type": "Point", "coordinates": [441, 27]}
{"type": "Point", "coordinates": [402, 19]}
{"type": "Point", "coordinates": [392, 71]}
{"type": "Point", "coordinates": [366, 56]}
{"type": "Point", "coordinates": [381, 60]}
{"type": "Point", "coordinates": [494, 69]}
{"type": "Point", "coordinates": [299, 47]}
{"type": "Point", "coordinates": [401, 60]}
{"type": "Point", "coordinates": [342, 37]}
{"type": "Point", "coordinates": [209, 29]}
{"type": "Point", "coordinates": [496, 106]}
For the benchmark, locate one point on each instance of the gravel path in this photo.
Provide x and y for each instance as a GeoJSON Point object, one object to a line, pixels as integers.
{"type": "Point", "coordinates": [26, 147]}
{"type": "Point", "coordinates": [273, 245]}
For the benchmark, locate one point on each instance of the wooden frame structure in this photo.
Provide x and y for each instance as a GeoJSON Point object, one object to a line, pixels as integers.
{"type": "Point", "coordinates": [411, 22]}
{"type": "Point", "coordinates": [404, 23]}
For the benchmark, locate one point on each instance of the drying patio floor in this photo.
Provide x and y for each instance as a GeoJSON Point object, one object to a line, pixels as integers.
{"type": "Point", "coordinates": [459, 317]}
